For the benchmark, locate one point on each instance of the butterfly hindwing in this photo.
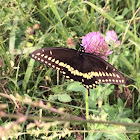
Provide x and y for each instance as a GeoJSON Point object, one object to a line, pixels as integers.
{"type": "Point", "coordinates": [105, 72]}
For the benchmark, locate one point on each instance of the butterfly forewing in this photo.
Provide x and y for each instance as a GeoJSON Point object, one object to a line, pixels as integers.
{"type": "Point", "coordinates": [86, 68]}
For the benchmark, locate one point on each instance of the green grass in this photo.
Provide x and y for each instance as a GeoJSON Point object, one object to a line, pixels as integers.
{"type": "Point", "coordinates": [32, 94]}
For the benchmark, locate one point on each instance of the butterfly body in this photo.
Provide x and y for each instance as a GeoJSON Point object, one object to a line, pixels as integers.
{"type": "Point", "coordinates": [89, 69]}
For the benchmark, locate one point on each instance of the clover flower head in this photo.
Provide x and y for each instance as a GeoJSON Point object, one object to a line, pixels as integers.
{"type": "Point", "coordinates": [93, 42]}
{"type": "Point", "coordinates": [112, 38]}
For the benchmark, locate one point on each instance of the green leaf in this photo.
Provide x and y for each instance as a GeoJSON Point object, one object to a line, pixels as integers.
{"type": "Point", "coordinates": [75, 86]}
{"type": "Point", "coordinates": [64, 98]}
{"type": "Point", "coordinates": [12, 37]}
{"type": "Point", "coordinates": [53, 97]}
{"type": "Point", "coordinates": [92, 99]}
{"type": "Point", "coordinates": [120, 102]}
{"type": "Point", "coordinates": [119, 18]}
{"type": "Point", "coordinates": [125, 11]}
{"type": "Point", "coordinates": [115, 136]}
{"type": "Point", "coordinates": [57, 89]}
{"type": "Point", "coordinates": [126, 120]}
{"type": "Point", "coordinates": [97, 136]}
{"type": "Point", "coordinates": [28, 74]}
{"type": "Point", "coordinates": [28, 44]}
{"type": "Point", "coordinates": [109, 109]}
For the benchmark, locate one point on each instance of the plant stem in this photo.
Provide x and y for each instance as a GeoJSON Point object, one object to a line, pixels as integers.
{"type": "Point", "coordinates": [87, 107]}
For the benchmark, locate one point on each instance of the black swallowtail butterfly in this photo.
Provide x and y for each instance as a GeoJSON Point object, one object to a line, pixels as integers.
{"type": "Point", "coordinates": [87, 68]}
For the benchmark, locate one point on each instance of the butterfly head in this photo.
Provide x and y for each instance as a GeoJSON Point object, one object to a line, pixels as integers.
{"type": "Point", "coordinates": [81, 49]}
